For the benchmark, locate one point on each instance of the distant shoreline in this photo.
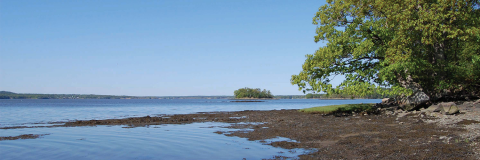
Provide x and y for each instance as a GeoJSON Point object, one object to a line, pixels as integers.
{"type": "Point", "coordinates": [254, 99]}
{"type": "Point", "coordinates": [12, 95]}
{"type": "Point", "coordinates": [202, 97]}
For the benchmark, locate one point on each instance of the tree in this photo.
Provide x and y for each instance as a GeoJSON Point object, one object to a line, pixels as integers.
{"type": "Point", "coordinates": [252, 93]}
{"type": "Point", "coordinates": [417, 48]}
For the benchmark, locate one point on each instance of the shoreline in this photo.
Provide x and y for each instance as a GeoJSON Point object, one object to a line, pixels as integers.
{"type": "Point", "coordinates": [409, 135]}
{"type": "Point", "coordinates": [180, 98]}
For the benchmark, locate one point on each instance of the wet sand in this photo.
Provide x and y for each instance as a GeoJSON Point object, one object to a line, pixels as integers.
{"type": "Point", "coordinates": [356, 136]}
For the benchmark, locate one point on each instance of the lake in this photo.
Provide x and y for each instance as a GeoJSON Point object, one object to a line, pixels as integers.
{"type": "Point", "coordinates": [186, 141]}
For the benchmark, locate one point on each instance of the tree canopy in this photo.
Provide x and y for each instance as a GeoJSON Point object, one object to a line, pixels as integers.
{"type": "Point", "coordinates": [252, 93]}
{"type": "Point", "coordinates": [430, 47]}
{"type": "Point", "coordinates": [374, 95]}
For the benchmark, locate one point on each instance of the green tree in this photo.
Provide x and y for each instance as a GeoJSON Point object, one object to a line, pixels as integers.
{"type": "Point", "coordinates": [414, 47]}
{"type": "Point", "coordinates": [252, 93]}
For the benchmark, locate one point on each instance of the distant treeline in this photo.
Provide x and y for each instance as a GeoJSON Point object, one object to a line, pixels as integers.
{"type": "Point", "coordinates": [290, 96]}
{"type": "Point", "coordinates": [252, 93]}
{"type": "Point", "coordinates": [12, 95]}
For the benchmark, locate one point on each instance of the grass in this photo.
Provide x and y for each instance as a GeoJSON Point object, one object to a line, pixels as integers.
{"type": "Point", "coordinates": [344, 108]}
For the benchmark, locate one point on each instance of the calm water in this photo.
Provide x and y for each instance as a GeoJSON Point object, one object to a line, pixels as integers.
{"type": "Point", "coordinates": [189, 141]}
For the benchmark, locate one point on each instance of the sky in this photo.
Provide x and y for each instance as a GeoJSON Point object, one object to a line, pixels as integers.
{"type": "Point", "coordinates": [154, 47]}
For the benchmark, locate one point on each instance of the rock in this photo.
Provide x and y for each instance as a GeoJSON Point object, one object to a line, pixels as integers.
{"type": "Point", "coordinates": [445, 107]}
{"type": "Point", "coordinates": [438, 109]}
{"type": "Point", "coordinates": [388, 112]}
{"type": "Point", "coordinates": [416, 98]}
{"type": "Point", "coordinates": [433, 108]}
{"type": "Point", "coordinates": [449, 108]}
{"type": "Point", "coordinates": [387, 100]}
{"type": "Point", "coordinates": [447, 104]}
{"type": "Point", "coordinates": [453, 110]}
{"type": "Point", "coordinates": [401, 115]}
{"type": "Point", "coordinates": [477, 102]}
{"type": "Point", "coordinates": [408, 107]}
{"type": "Point", "coordinates": [468, 104]}
{"type": "Point", "coordinates": [427, 112]}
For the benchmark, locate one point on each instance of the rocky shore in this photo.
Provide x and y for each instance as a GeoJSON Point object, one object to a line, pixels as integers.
{"type": "Point", "coordinates": [390, 133]}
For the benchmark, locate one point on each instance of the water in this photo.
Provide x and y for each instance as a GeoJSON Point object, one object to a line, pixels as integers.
{"type": "Point", "coordinates": [189, 141]}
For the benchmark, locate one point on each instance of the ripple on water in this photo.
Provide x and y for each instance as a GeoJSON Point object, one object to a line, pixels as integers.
{"type": "Point", "coordinates": [188, 141]}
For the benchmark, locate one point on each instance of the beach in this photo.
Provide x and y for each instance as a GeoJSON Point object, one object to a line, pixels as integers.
{"type": "Point", "coordinates": [389, 133]}
{"type": "Point", "coordinates": [357, 136]}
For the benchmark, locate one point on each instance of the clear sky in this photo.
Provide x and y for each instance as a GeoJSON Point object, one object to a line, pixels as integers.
{"type": "Point", "coordinates": [154, 47]}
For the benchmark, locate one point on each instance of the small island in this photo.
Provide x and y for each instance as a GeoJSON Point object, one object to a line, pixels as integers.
{"type": "Point", "coordinates": [250, 93]}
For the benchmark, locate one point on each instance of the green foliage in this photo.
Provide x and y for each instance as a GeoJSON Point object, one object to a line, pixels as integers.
{"type": "Point", "coordinates": [252, 93]}
{"type": "Point", "coordinates": [310, 95]}
{"type": "Point", "coordinates": [344, 108]}
{"type": "Point", "coordinates": [322, 109]}
{"type": "Point", "coordinates": [407, 46]}
{"type": "Point", "coordinates": [384, 93]}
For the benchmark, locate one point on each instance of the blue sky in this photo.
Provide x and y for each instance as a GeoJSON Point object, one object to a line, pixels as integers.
{"type": "Point", "coordinates": [154, 47]}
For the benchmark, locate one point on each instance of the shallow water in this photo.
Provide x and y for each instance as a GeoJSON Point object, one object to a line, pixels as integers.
{"type": "Point", "coordinates": [15, 112]}
{"type": "Point", "coordinates": [189, 141]}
